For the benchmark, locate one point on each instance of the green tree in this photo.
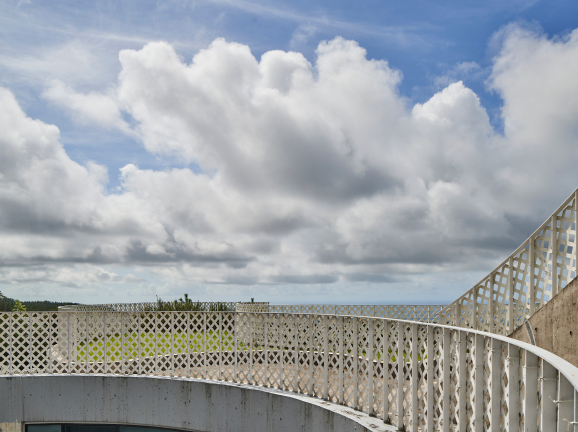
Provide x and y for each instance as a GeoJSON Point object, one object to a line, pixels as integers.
{"type": "Point", "coordinates": [18, 307]}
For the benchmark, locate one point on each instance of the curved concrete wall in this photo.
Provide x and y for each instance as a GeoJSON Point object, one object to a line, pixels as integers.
{"type": "Point", "coordinates": [196, 405]}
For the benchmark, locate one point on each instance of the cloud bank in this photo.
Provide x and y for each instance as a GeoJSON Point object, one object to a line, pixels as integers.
{"type": "Point", "coordinates": [308, 173]}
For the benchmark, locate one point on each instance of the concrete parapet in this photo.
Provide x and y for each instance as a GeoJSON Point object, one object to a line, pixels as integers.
{"type": "Point", "coordinates": [196, 405]}
{"type": "Point", "coordinates": [555, 325]}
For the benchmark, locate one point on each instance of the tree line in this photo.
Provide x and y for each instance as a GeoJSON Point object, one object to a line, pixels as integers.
{"type": "Point", "coordinates": [8, 304]}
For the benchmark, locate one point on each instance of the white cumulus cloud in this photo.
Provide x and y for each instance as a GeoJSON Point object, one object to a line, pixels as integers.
{"type": "Point", "coordinates": [309, 173]}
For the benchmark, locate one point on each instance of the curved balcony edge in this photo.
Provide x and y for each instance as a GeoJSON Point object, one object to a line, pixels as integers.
{"type": "Point", "coordinates": [175, 403]}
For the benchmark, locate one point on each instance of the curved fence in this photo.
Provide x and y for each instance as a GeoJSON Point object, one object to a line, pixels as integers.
{"type": "Point", "coordinates": [416, 376]}
{"type": "Point", "coordinates": [142, 307]}
{"type": "Point", "coordinates": [421, 313]}
{"type": "Point", "coordinates": [535, 272]}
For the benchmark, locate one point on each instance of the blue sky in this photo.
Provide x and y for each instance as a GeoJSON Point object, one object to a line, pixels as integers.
{"type": "Point", "coordinates": [426, 41]}
{"type": "Point", "coordinates": [450, 62]}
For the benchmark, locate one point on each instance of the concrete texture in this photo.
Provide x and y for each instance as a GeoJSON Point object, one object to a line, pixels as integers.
{"type": "Point", "coordinates": [555, 326]}
{"type": "Point", "coordinates": [196, 405]}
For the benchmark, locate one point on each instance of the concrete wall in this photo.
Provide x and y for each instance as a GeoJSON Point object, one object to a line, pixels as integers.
{"type": "Point", "coordinates": [555, 326]}
{"type": "Point", "coordinates": [196, 405]}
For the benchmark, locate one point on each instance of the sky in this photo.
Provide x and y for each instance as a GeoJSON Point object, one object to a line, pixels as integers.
{"type": "Point", "coordinates": [370, 152]}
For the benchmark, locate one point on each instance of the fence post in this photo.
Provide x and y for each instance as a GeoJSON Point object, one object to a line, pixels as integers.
{"type": "Point", "coordinates": [575, 418]}
{"type": "Point", "coordinates": [139, 342]}
{"type": "Point", "coordinates": [155, 336]}
{"type": "Point", "coordinates": [491, 315]}
{"type": "Point", "coordinates": [341, 358]}
{"type": "Point", "coordinates": [548, 391]}
{"type": "Point", "coordinates": [530, 392]}
{"type": "Point", "coordinates": [50, 345]}
{"type": "Point", "coordinates": [531, 289]}
{"type": "Point", "coordinates": [554, 246]}
{"type": "Point", "coordinates": [474, 323]}
{"type": "Point", "coordinates": [105, 343]}
{"type": "Point", "coordinates": [189, 347]}
{"type": "Point", "coordinates": [86, 318]}
{"type": "Point", "coordinates": [311, 363]}
{"type": "Point", "coordinates": [457, 312]}
{"type": "Point", "coordinates": [121, 343]}
{"type": "Point", "coordinates": [565, 403]}
{"type": "Point", "coordinates": [513, 387]}
{"type": "Point", "coordinates": [30, 350]}
{"type": "Point", "coordinates": [282, 329]}
{"type": "Point", "coordinates": [250, 349]}
{"type": "Point", "coordinates": [510, 295]}
{"type": "Point", "coordinates": [172, 344]}
{"type": "Point", "coordinates": [354, 355]}
{"type": "Point", "coordinates": [370, 366]}
{"type": "Point", "coordinates": [385, 368]}
{"type": "Point", "coordinates": [430, 378]}
{"type": "Point", "coordinates": [68, 349]}
{"type": "Point", "coordinates": [495, 383]}
{"type": "Point", "coordinates": [479, 383]}
{"type": "Point", "coordinates": [266, 348]}
{"type": "Point", "coordinates": [462, 381]}
{"type": "Point", "coordinates": [414, 375]}
{"type": "Point", "coordinates": [325, 358]}
{"type": "Point", "coordinates": [446, 380]}
{"type": "Point", "coordinates": [400, 374]}
{"type": "Point", "coordinates": [220, 326]}
{"type": "Point", "coordinates": [296, 353]}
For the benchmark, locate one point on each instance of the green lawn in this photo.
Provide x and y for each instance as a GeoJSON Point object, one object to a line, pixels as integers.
{"type": "Point", "coordinates": [149, 347]}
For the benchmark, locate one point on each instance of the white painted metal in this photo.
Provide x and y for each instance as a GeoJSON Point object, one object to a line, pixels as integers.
{"type": "Point", "coordinates": [537, 270]}
{"type": "Point", "coordinates": [430, 381]}
{"type": "Point", "coordinates": [548, 381]}
{"type": "Point", "coordinates": [499, 303]}
{"type": "Point", "coordinates": [531, 290]}
{"type": "Point", "coordinates": [462, 381]}
{"type": "Point", "coordinates": [446, 377]}
{"type": "Point", "coordinates": [554, 254]}
{"type": "Point", "coordinates": [565, 404]}
{"type": "Point", "coordinates": [354, 358]}
{"type": "Point", "coordinates": [370, 370]}
{"type": "Point", "coordinates": [143, 307]}
{"type": "Point", "coordinates": [478, 385]}
{"type": "Point", "coordinates": [513, 387]}
{"type": "Point", "coordinates": [511, 294]}
{"type": "Point", "coordinates": [495, 383]}
{"type": "Point", "coordinates": [414, 380]}
{"type": "Point", "coordinates": [326, 358]}
{"type": "Point", "coordinates": [400, 372]}
{"type": "Point", "coordinates": [421, 313]}
{"type": "Point", "coordinates": [442, 379]}
{"type": "Point", "coordinates": [530, 392]}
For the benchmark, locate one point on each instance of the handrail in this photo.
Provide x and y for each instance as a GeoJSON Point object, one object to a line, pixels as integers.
{"type": "Point", "coordinates": [417, 376]}
{"type": "Point", "coordinates": [422, 313]}
{"type": "Point", "coordinates": [536, 271]}
{"type": "Point", "coordinates": [138, 307]}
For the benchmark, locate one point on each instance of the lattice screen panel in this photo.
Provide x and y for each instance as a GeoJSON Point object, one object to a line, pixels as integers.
{"type": "Point", "coordinates": [541, 267]}
{"type": "Point", "coordinates": [413, 375]}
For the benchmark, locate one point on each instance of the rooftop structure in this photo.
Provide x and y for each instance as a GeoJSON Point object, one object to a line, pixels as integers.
{"type": "Point", "coordinates": [305, 367]}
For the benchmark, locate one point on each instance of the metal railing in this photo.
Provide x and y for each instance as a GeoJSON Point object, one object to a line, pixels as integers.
{"type": "Point", "coordinates": [417, 376]}
{"type": "Point", "coordinates": [535, 272]}
{"type": "Point", "coordinates": [421, 313]}
{"type": "Point", "coordinates": [140, 307]}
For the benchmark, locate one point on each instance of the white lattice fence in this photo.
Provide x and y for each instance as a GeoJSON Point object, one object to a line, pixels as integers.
{"type": "Point", "coordinates": [142, 307]}
{"type": "Point", "coordinates": [536, 271]}
{"type": "Point", "coordinates": [417, 376]}
{"type": "Point", "coordinates": [421, 313]}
